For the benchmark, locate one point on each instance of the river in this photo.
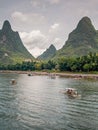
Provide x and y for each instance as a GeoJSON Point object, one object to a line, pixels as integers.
{"type": "Point", "coordinates": [38, 103]}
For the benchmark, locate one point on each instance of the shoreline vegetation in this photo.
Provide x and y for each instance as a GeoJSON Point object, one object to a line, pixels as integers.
{"type": "Point", "coordinates": [60, 74]}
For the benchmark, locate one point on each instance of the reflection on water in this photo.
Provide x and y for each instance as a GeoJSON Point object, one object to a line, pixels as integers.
{"type": "Point", "coordinates": [36, 103]}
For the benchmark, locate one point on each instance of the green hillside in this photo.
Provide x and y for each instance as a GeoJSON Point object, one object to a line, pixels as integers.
{"type": "Point", "coordinates": [81, 41]}
{"type": "Point", "coordinates": [12, 49]}
{"type": "Point", "coordinates": [48, 54]}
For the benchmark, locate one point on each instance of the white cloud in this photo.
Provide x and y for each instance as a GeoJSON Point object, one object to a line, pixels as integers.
{"type": "Point", "coordinates": [58, 42]}
{"type": "Point", "coordinates": [35, 41]}
{"type": "Point", "coordinates": [35, 3]}
{"type": "Point", "coordinates": [28, 20]}
{"type": "Point", "coordinates": [20, 16]}
{"type": "Point", "coordinates": [54, 1]}
{"type": "Point", "coordinates": [39, 3]}
{"type": "Point", "coordinates": [54, 27]}
{"type": "Point", "coordinates": [36, 51]}
{"type": "Point", "coordinates": [27, 17]}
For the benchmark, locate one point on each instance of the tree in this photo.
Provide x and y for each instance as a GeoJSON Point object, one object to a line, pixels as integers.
{"type": "Point", "coordinates": [86, 67]}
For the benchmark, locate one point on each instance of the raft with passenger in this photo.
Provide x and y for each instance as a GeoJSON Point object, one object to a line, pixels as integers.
{"type": "Point", "coordinates": [71, 92]}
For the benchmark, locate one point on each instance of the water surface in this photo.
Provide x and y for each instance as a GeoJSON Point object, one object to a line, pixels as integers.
{"type": "Point", "coordinates": [37, 103]}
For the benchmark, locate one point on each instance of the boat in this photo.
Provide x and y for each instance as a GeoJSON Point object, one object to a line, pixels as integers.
{"type": "Point", "coordinates": [52, 76]}
{"type": "Point", "coordinates": [71, 92]}
{"type": "Point", "coordinates": [29, 74]}
{"type": "Point", "coordinates": [13, 81]}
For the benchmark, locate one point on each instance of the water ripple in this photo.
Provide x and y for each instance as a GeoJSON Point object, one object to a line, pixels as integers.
{"type": "Point", "coordinates": [35, 103]}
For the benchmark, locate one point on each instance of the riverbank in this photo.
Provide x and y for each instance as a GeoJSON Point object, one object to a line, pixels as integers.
{"type": "Point", "coordinates": [61, 74]}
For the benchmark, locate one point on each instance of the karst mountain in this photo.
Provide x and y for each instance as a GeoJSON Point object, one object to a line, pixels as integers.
{"type": "Point", "coordinates": [12, 49]}
{"type": "Point", "coordinates": [82, 40]}
{"type": "Point", "coordinates": [48, 54]}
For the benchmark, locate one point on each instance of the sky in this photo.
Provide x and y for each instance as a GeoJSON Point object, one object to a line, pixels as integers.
{"type": "Point", "coordinates": [41, 23]}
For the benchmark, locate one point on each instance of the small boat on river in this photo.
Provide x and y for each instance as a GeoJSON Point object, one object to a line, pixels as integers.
{"type": "Point", "coordinates": [30, 74]}
{"type": "Point", "coordinates": [71, 92]}
{"type": "Point", "coordinates": [13, 81]}
{"type": "Point", "coordinates": [52, 76]}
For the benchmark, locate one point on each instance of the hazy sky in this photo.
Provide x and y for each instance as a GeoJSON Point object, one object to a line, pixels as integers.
{"type": "Point", "coordinates": [44, 22]}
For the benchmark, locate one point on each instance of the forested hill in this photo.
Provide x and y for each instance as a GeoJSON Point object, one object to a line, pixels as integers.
{"type": "Point", "coordinates": [81, 41]}
{"type": "Point", "coordinates": [48, 54]}
{"type": "Point", "coordinates": [12, 49]}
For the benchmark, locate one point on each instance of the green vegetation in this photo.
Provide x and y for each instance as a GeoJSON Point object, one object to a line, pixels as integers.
{"type": "Point", "coordinates": [29, 66]}
{"type": "Point", "coordinates": [80, 64]}
{"type": "Point", "coordinates": [74, 56]}
{"type": "Point", "coordinates": [86, 63]}
{"type": "Point", "coordinates": [12, 49]}
{"type": "Point", "coordinates": [48, 54]}
{"type": "Point", "coordinates": [81, 41]}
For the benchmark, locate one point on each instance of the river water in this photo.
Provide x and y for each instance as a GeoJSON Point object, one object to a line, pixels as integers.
{"type": "Point", "coordinates": [38, 103]}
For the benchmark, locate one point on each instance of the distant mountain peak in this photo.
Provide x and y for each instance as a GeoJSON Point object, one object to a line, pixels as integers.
{"type": "Point", "coordinates": [85, 25]}
{"type": "Point", "coordinates": [6, 26]}
{"type": "Point", "coordinates": [52, 46]}
{"type": "Point", "coordinates": [49, 53]}
{"type": "Point", "coordinates": [86, 19]}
